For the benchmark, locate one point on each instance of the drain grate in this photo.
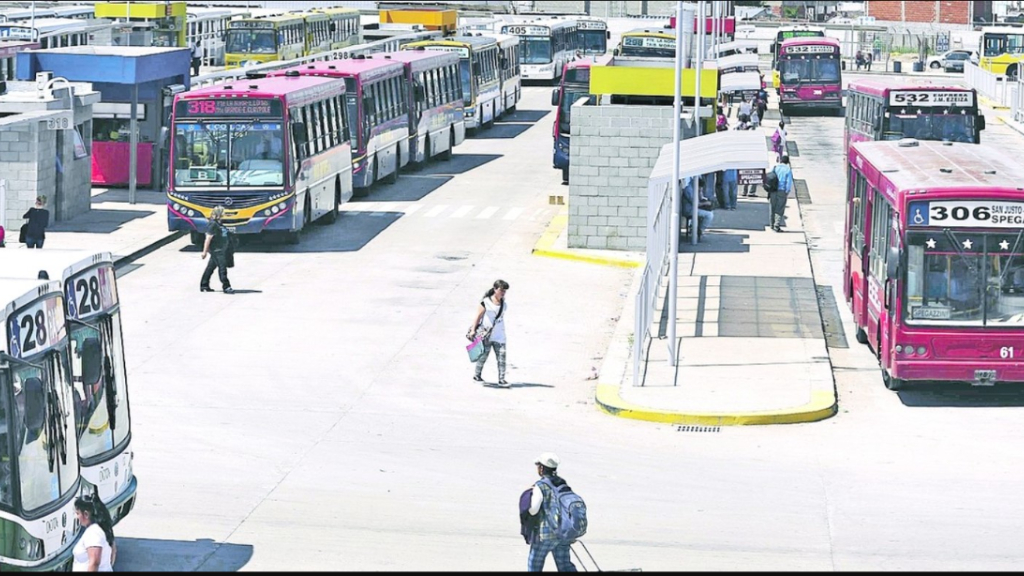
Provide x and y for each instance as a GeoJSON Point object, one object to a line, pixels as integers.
{"type": "Point", "coordinates": [698, 428]}
{"type": "Point", "coordinates": [835, 336]}
{"type": "Point", "coordinates": [803, 192]}
{"type": "Point", "coordinates": [792, 149]}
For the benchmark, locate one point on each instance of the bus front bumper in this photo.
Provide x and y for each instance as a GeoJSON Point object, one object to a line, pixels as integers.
{"type": "Point", "coordinates": [975, 372]}
{"type": "Point", "coordinates": [123, 504]}
{"type": "Point", "coordinates": [198, 223]}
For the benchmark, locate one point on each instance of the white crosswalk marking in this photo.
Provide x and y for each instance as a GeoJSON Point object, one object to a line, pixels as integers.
{"type": "Point", "coordinates": [462, 211]}
{"type": "Point", "coordinates": [487, 213]}
{"type": "Point", "coordinates": [513, 214]}
{"type": "Point", "coordinates": [539, 214]}
{"type": "Point", "coordinates": [412, 208]}
{"type": "Point", "coordinates": [435, 211]}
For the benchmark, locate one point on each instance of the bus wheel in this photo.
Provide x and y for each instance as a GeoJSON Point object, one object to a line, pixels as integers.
{"type": "Point", "coordinates": [565, 175]}
{"type": "Point", "coordinates": [447, 155]}
{"type": "Point", "coordinates": [862, 336]}
{"type": "Point", "coordinates": [1011, 73]}
{"type": "Point", "coordinates": [893, 383]}
{"type": "Point", "coordinates": [197, 238]}
{"type": "Point", "coordinates": [393, 177]}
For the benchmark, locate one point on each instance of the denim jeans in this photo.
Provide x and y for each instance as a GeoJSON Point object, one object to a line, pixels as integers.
{"type": "Point", "coordinates": [31, 242]}
{"type": "Point", "coordinates": [731, 188]}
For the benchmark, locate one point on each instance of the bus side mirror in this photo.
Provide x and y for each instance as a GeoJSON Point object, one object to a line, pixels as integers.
{"type": "Point", "coordinates": [554, 97]}
{"type": "Point", "coordinates": [615, 52]}
{"type": "Point", "coordinates": [980, 121]}
{"type": "Point", "coordinates": [892, 264]}
{"type": "Point", "coordinates": [608, 34]}
{"type": "Point", "coordinates": [477, 68]}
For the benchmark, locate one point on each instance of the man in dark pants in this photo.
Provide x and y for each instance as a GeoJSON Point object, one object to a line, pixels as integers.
{"type": "Point", "coordinates": [779, 197]}
{"type": "Point", "coordinates": [543, 503]}
{"type": "Point", "coordinates": [217, 241]}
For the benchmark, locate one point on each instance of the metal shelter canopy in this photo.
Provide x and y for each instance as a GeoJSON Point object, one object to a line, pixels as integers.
{"type": "Point", "coordinates": [737, 61]}
{"type": "Point", "coordinates": [740, 82]}
{"type": "Point", "coordinates": [729, 150]}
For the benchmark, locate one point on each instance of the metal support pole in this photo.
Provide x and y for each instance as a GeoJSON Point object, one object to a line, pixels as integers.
{"type": "Point", "coordinates": [133, 143]}
{"type": "Point", "coordinates": [673, 263]}
{"type": "Point", "coordinates": [695, 223]}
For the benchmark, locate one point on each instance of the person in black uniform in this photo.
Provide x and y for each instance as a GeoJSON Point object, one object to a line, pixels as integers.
{"type": "Point", "coordinates": [216, 246]}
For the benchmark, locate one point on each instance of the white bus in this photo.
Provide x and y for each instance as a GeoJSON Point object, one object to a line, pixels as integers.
{"type": "Point", "coordinates": [39, 477]}
{"type": "Point", "coordinates": [102, 417]}
{"type": "Point", "coordinates": [593, 36]}
{"type": "Point", "coordinates": [509, 75]}
{"type": "Point", "coordinates": [52, 32]}
{"type": "Point", "coordinates": [545, 46]}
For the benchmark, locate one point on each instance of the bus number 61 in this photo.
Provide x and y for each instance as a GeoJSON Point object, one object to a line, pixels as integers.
{"type": "Point", "coordinates": [1006, 352]}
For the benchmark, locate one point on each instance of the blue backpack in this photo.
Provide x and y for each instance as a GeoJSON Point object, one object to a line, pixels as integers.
{"type": "Point", "coordinates": [570, 512]}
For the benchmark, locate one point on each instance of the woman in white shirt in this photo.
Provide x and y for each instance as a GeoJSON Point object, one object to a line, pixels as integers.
{"type": "Point", "coordinates": [489, 324]}
{"type": "Point", "coordinates": [95, 551]}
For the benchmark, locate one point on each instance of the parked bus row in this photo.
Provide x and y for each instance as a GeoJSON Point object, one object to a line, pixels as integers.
{"type": "Point", "coordinates": [282, 151]}
{"type": "Point", "coordinates": [291, 35]}
{"type": "Point", "coordinates": [65, 423]}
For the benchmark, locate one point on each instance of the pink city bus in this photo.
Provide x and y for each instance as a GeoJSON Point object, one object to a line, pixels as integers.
{"type": "Point", "coordinates": [377, 108]}
{"type": "Point", "coordinates": [230, 148]}
{"type": "Point", "coordinates": [575, 84]}
{"type": "Point", "coordinates": [889, 108]}
{"type": "Point", "coordinates": [436, 113]}
{"type": "Point", "coordinates": [934, 260]}
{"type": "Point", "coordinates": [810, 75]}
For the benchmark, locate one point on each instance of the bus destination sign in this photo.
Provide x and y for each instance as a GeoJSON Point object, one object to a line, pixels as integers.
{"type": "Point", "coordinates": [591, 25]}
{"type": "Point", "coordinates": [235, 107]}
{"type": "Point", "coordinates": [526, 30]}
{"type": "Point", "coordinates": [786, 35]}
{"type": "Point", "coordinates": [648, 42]}
{"type": "Point", "coordinates": [930, 98]}
{"type": "Point", "coordinates": [810, 49]}
{"type": "Point", "coordinates": [37, 327]}
{"type": "Point", "coordinates": [250, 25]}
{"type": "Point", "coordinates": [967, 213]}
{"type": "Point", "coordinates": [462, 51]}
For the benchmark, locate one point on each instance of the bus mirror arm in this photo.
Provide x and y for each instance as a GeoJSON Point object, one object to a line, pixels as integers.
{"type": "Point", "coordinates": [892, 264]}
{"type": "Point", "coordinates": [608, 34]}
{"type": "Point", "coordinates": [554, 97]}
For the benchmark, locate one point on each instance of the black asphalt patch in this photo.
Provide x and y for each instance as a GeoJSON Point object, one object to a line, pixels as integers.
{"type": "Point", "coordinates": [835, 336]}
{"type": "Point", "coordinates": [759, 307]}
{"type": "Point", "coordinates": [792, 149]}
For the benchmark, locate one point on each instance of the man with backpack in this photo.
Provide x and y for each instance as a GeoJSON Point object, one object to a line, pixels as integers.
{"type": "Point", "coordinates": [779, 183]}
{"type": "Point", "coordinates": [562, 517]}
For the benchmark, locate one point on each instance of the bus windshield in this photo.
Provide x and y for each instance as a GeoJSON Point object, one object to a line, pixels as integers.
{"type": "Point", "coordinates": [594, 41]}
{"type": "Point", "coordinates": [965, 278]}
{"type": "Point", "coordinates": [251, 42]}
{"type": "Point", "coordinates": [997, 44]}
{"type": "Point", "coordinates": [796, 71]}
{"type": "Point", "coordinates": [945, 127]}
{"type": "Point", "coordinates": [101, 413]}
{"type": "Point", "coordinates": [249, 154]}
{"type": "Point", "coordinates": [569, 97]}
{"type": "Point", "coordinates": [43, 429]}
{"type": "Point", "coordinates": [535, 50]}
{"type": "Point", "coordinates": [6, 435]}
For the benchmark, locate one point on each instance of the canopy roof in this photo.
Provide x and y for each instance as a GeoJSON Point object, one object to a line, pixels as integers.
{"type": "Point", "coordinates": [729, 150]}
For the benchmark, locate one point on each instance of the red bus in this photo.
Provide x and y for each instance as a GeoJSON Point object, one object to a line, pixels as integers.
{"type": "Point", "coordinates": [230, 148]}
{"type": "Point", "coordinates": [934, 260]}
{"type": "Point", "coordinates": [377, 110]}
{"type": "Point", "coordinates": [888, 108]}
{"type": "Point", "coordinates": [575, 84]}
{"type": "Point", "coordinates": [436, 113]}
{"type": "Point", "coordinates": [810, 75]}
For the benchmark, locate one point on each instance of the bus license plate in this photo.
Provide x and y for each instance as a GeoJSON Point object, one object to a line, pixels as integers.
{"type": "Point", "coordinates": [985, 377]}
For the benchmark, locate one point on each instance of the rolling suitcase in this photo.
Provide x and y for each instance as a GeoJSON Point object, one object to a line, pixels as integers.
{"type": "Point", "coordinates": [592, 561]}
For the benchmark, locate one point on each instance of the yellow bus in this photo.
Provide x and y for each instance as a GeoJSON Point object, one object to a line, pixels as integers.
{"type": "Point", "coordinates": [648, 43]}
{"type": "Point", "coordinates": [1002, 50]}
{"type": "Point", "coordinates": [258, 40]}
{"type": "Point", "coordinates": [344, 27]}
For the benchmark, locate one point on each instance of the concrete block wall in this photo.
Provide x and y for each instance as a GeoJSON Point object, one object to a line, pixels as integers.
{"type": "Point", "coordinates": [19, 172]}
{"type": "Point", "coordinates": [613, 149]}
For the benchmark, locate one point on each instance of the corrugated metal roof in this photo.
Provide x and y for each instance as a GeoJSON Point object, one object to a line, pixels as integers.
{"type": "Point", "coordinates": [729, 150]}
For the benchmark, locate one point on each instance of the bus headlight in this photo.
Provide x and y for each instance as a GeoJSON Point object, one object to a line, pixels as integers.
{"type": "Point", "coordinates": [267, 212]}
{"type": "Point", "coordinates": [177, 207]}
{"type": "Point", "coordinates": [191, 213]}
{"type": "Point", "coordinates": [274, 210]}
{"type": "Point", "coordinates": [899, 348]}
{"type": "Point", "coordinates": [28, 546]}
{"type": "Point", "coordinates": [282, 206]}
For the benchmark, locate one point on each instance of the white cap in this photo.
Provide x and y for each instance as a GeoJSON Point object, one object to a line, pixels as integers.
{"type": "Point", "coordinates": [548, 459]}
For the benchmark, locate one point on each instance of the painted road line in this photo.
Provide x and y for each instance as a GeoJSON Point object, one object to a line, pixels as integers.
{"type": "Point", "coordinates": [435, 211]}
{"type": "Point", "coordinates": [513, 214]}
{"type": "Point", "coordinates": [539, 214]}
{"type": "Point", "coordinates": [462, 212]}
{"type": "Point", "coordinates": [412, 209]}
{"type": "Point", "coordinates": [487, 213]}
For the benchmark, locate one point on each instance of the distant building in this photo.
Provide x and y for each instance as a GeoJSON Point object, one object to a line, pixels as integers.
{"type": "Point", "coordinates": [949, 12]}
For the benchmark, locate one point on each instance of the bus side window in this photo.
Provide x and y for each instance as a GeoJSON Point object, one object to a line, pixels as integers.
{"type": "Point", "coordinates": [6, 484]}
{"type": "Point", "coordinates": [858, 200]}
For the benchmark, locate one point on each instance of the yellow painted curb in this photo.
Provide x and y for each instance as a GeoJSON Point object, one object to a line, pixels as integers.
{"type": "Point", "coordinates": [991, 103]}
{"type": "Point", "coordinates": [822, 405]}
{"type": "Point", "coordinates": [545, 246]}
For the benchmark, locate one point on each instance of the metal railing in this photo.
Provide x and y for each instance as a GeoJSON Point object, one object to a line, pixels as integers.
{"type": "Point", "coordinates": [659, 228]}
{"type": "Point", "coordinates": [1017, 101]}
{"type": "Point", "coordinates": [992, 86]}
{"type": "Point", "coordinates": [385, 45]}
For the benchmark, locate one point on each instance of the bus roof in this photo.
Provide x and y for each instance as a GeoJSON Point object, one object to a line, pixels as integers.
{"type": "Point", "coordinates": [799, 27]}
{"type": "Point", "coordinates": [16, 292]}
{"type": "Point", "coordinates": [269, 87]}
{"type": "Point", "coordinates": [58, 264]}
{"type": "Point", "coordinates": [346, 68]}
{"type": "Point", "coordinates": [475, 42]}
{"type": "Point", "coordinates": [810, 40]}
{"type": "Point", "coordinates": [881, 85]}
{"type": "Point", "coordinates": [276, 18]}
{"type": "Point", "coordinates": [418, 59]}
{"type": "Point", "coordinates": [337, 11]}
{"type": "Point", "coordinates": [930, 164]}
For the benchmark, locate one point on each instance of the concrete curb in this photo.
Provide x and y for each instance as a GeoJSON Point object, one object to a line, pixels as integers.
{"type": "Point", "coordinates": [545, 246]}
{"type": "Point", "coordinates": [149, 248]}
{"type": "Point", "coordinates": [1014, 125]}
{"type": "Point", "coordinates": [985, 100]}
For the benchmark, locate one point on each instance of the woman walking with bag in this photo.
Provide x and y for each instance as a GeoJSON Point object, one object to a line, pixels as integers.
{"type": "Point", "coordinates": [489, 324]}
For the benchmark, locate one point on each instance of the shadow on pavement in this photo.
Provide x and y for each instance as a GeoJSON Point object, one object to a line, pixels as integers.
{"type": "Point", "coordinates": [960, 395]}
{"type": "Point", "coordinates": [501, 131]}
{"type": "Point", "coordinates": [148, 555]}
{"type": "Point", "coordinates": [150, 197]}
{"type": "Point", "coordinates": [409, 188]}
{"type": "Point", "coordinates": [350, 233]}
{"type": "Point", "coordinates": [524, 116]}
{"type": "Point", "coordinates": [459, 164]}
{"type": "Point", "coordinates": [715, 242]}
{"type": "Point", "coordinates": [99, 221]}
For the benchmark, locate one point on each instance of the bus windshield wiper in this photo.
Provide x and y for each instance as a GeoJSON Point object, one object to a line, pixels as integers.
{"type": "Point", "coordinates": [109, 380]}
{"type": "Point", "coordinates": [956, 246]}
{"type": "Point", "coordinates": [56, 421]}
{"type": "Point", "coordinates": [1016, 245]}
{"type": "Point", "coordinates": [8, 358]}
